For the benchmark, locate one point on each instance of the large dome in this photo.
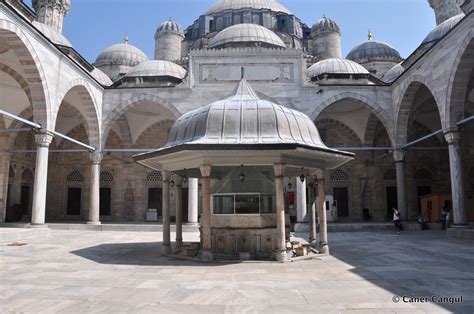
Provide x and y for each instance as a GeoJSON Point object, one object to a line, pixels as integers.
{"type": "Point", "coordinates": [53, 35]}
{"type": "Point", "coordinates": [246, 34]}
{"type": "Point", "coordinates": [374, 50]}
{"type": "Point", "coordinates": [223, 5]}
{"type": "Point", "coordinates": [442, 29]}
{"type": "Point", "coordinates": [157, 68]}
{"type": "Point", "coordinates": [121, 54]}
{"type": "Point", "coordinates": [335, 66]}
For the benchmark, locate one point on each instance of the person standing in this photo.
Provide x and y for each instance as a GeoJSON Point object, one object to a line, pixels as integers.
{"type": "Point", "coordinates": [396, 220]}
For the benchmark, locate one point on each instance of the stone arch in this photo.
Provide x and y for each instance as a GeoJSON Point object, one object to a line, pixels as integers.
{"type": "Point", "coordinates": [376, 109]}
{"type": "Point", "coordinates": [405, 106]}
{"type": "Point", "coordinates": [19, 79]}
{"type": "Point", "coordinates": [26, 114]}
{"type": "Point", "coordinates": [89, 112]}
{"type": "Point", "coordinates": [462, 72]}
{"type": "Point", "coordinates": [120, 110]}
{"type": "Point", "coordinates": [141, 141]}
{"type": "Point", "coordinates": [27, 176]}
{"type": "Point", "coordinates": [32, 67]}
{"type": "Point", "coordinates": [326, 122]}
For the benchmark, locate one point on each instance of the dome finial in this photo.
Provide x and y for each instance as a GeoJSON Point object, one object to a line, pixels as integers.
{"type": "Point", "coordinates": [370, 34]}
{"type": "Point", "coordinates": [125, 40]}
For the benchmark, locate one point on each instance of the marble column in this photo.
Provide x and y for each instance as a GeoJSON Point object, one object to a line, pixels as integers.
{"type": "Point", "coordinates": [193, 200]}
{"type": "Point", "coordinates": [166, 246]}
{"type": "Point", "coordinates": [94, 200]}
{"type": "Point", "coordinates": [312, 213]}
{"type": "Point", "coordinates": [206, 235]}
{"type": "Point", "coordinates": [38, 211]}
{"type": "Point", "coordinates": [280, 252]}
{"type": "Point", "coordinates": [460, 216]}
{"type": "Point", "coordinates": [179, 210]}
{"type": "Point", "coordinates": [323, 229]}
{"type": "Point", "coordinates": [4, 175]}
{"type": "Point", "coordinates": [301, 206]}
{"type": "Point", "coordinates": [399, 157]}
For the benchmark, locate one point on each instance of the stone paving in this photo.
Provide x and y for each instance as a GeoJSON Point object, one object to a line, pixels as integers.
{"type": "Point", "coordinates": [86, 271]}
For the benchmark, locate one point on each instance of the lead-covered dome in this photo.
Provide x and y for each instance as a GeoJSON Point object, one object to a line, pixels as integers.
{"type": "Point", "coordinates": [325, 25]}
{"type": "Point", "coordinates": [101, 77]}
{"type": "Point", "coordinates": [335, 66]}
{"type": "Point", "coordinates": [157, 68]}
{"type": "Point", "coordinates": [122, 54]}
{"type": "Point", "coordinates": [442, 29]}
{"type": "Point", "coordinates": [374, 50]}
{"type": "Point", "coordinates": [246, 34]}
{"type": "Point", "coordinates": [170, 26]}
{"type": "Point", "coordinates": [223, 5]}
{"type": "Point", "coordinates": [53, 35]}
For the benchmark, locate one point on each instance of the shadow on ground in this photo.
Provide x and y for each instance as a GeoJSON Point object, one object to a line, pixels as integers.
{"type": "Point", "coordinates": [414, 264]}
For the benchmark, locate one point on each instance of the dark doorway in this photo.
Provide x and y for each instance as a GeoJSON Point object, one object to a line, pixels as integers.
{"type": "Point", "coordinates": [9, 194]}
{"type": "Point", "coordinates": [341, 196]}
{"type": "Point", "coordinates": [184, 200]}
{"type": "Point", "coordinates": [74, 201]}
{"type": "Point", "coordinates": [154, 200]}
{"type": "Point", "coordinates": [422, 191]}
{"type": "Point", "coordinates": [392, 200]}
{"type": "Point", "coordinates": [105, 198]}
{"type": "Point", "coordinates": [25, 199]}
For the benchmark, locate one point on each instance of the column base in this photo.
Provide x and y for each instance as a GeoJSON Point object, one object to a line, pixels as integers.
{"type": "Point", "coordinates": [165, 249]}
{"type": "Point", "coordinates": [280, 256]}
{"type": "Point", "coordinates": [94, 223]}
{"type": "Point", "coordinates": [37, 226]}
{"type": "Point", "coordinates": [323, 248]}
{"type": "Point", "coordinates": [207, 256]}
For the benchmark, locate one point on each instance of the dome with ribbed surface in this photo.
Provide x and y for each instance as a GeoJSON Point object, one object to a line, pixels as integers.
{"type": "Point", "coordinates": [442, 29]}
{"type": "Point", "coordinates": [170, 26]}
{"type": "Point", "coordinates": [53, 35]}
{"type": "Point", "coordinates": [325, 25]}
{"type": "Point", "coordinates": [121, 54]}
{"type": "Point", "coordinates": [246, 34]}
{"type": "Point", "coordinates": [223, 5]}
{"type": "Point", "coordinates": [157, 68]}
{"type": "Point", "coordinates": [335, 66]}
{"type": "Point", "coordinates": [101, 77]}
{"type": "Point", "coordinates": [393, 73]}
{"type": "Point", "coordinates": [374, 50]}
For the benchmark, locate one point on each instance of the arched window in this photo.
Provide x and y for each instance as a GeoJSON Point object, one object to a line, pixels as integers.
{"type": "Point", "coordinates": [390, 175]}
{"type": "Point", "coordinates": [237, 19]}
{"type": "Point", "coordinates": [256, 19]}
{"type": "Point", "coordinates": [75, 176]}
{"type": "Point", "coordinates": [340, 175]}
{"type": "Point", "coordinates": [106, 177]}
{"type": "Point", "coordinates": [153, 177]}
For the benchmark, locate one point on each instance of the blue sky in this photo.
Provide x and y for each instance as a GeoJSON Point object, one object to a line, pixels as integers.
{"type": "Point", "coordinates": [93, 25]}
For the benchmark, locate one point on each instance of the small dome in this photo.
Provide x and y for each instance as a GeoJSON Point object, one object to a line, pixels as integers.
{"type": "Point", "coordinates": [247, 34]}
{"type": "Point", "coordinates": [53, 35]}
{"type": "Point", "coordinates": [325, 25]}
{"type": "Point", "coordinates": [393, 73]}
{"type": "Point", "coordinates": [335, 66]}
{"type": "Point", "coordinates": [121, 54]}
{"type": "Point", "coordinates": [101, 77]}
{"type": "Point", "coordinates": [223, 5]}
{"type": "Point", "coordinates": [443, 28]}
{"type": "Point", "coordinates": [374, 50]}
{"type": "Point", "coordinates": [170, 26]}
{"type": "Point", "coordinates": [157, 68]}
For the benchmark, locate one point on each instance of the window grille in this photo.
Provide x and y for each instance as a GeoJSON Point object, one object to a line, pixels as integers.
{"type": "Point", "coordinates": [75, 176]}
{"type": "Point", "coordinates": [340, 175]}
{"type": "Point", "coordinates": [106, 176]}
{"type": "Point", "coordinates": [29, 144]}
{"type": "Point", "coordinates": [390, 175]}
{"type": "Point", "coordinates": [154, 176]}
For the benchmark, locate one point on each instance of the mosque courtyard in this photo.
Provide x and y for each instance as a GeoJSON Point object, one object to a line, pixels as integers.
{"type": "Point", "coordinates": [78, 271]}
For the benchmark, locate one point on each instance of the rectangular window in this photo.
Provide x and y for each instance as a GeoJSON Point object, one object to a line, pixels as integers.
{"type": "Point", "coordinates": [247, 204]}
{"type": "Point", "coordinates": [223, 204]}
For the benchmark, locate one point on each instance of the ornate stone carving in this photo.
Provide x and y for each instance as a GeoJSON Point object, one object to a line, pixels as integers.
{"type": "Point", "coordinates": [96, 158]}
{"type": "Point", "coordinates": [51, 12]}
{"type": "Point", "coordinates": [399, 155]}
{"type": "Point", "coordinates": [43, 138]}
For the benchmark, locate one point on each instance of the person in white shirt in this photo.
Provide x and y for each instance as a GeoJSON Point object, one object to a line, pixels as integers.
{"type": "Point", "coordinates": [396, 220]}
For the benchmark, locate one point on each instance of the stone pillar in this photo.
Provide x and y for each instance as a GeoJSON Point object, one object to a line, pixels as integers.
{"type": "Point", "coordinates": [460, 216]}
{"type": "Point", "coordinates": [312, 213]}
{"type": "Point", "coordinates": [166, 246]}
{"type": "Point", "coordinates": [179, 210]}
{"type": "Point", "coordinates": [193, 200]}
{"type": "Point", "coordinates": [301, 206]}
{"type": "Point", "coordinates": [280, 252]}
{"type": "Point", "coordinates": [206, 213]}
{"type": "Point", "coordinates": [38, 211]}
{"type": "Point", "coordinates": [399, 157]}
{"type": "Point", "coordinates": [323, 229]}
{"type": "Point", "coordinates": [94, 200]}
{"type": "Point", "coordinates": [4, 175]}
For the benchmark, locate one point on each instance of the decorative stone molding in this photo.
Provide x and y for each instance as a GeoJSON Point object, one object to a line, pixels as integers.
{"type": "Point", "coordinates": [206, 171]}
{"type": "Point", "coordinates": [452, 136]}
{"type": "Point", "coordinates": [43, 138]}
{"type": "Point", "coordinates": [52, 12]}
{"type": "Point", "coordinates": [96, 158]}
{"type": "Point", "coordinates": [399, 155]}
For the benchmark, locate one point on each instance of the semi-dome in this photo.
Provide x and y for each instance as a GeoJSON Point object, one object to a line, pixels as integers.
{"type": "Point", "coordinates": [394, 73]}
{"type": "Point", "coordinates": [122, 54]}
{"type": "Point", "coordinates": [335, 66]}
{"type": "Point", "coordinates": [170, 26]}
{"type": "Point", "coordinates": [157, 68]}
{"type": "Point", "coordinates": [442, 29]}
{"type": "Point", "coordinates": [325, 25]}
{"type": "Point", "coordinates": [101, 77]}
{"type": "Point", "coordinates": [223, 5]}
{"type": "Point", "coordinates": [53, 35]}
{"type": "Point", "coordinates": [374, 50]}
{"type": "Point", "coordinates": [246, 34]}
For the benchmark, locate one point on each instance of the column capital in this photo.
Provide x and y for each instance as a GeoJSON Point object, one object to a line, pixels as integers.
{"type": "Point", "coordinates": [177, 180]}
{"type": "Point", "coordinates": [165, 176]}
{"type": "Point", "coordinates": [452, 135]}
{"type": "Point", "coordinates": [206, 170]}
{"type": "Point", "coordinates": [43, 138]}
{"type": "Point", "coordinates": [399, 155]}
{"type": "Point", "coordinates": [96, 157]}
{"type": "Point", "coordinates": [279, 170]}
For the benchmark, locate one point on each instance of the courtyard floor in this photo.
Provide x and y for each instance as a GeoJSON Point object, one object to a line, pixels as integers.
{"type": "Point", "coordinates": [87, 271]}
